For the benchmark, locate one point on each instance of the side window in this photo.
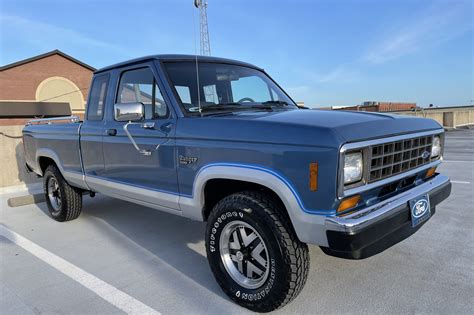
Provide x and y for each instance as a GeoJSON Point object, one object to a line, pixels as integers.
{"type": "Point", "coordinates": [95, 108]}
{"type": "Point", "coordinates": [139, 85]}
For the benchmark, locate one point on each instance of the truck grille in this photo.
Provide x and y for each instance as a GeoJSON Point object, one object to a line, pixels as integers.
{"type": "Point", "coordinates": [392, 158]}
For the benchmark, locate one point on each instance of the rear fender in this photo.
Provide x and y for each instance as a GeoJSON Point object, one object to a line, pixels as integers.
{"type": "Point", "coordinates": [73, 178]}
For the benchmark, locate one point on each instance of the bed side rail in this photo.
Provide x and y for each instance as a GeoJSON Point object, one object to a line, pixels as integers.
{"type": "Point", "coordinates": [50, 121]}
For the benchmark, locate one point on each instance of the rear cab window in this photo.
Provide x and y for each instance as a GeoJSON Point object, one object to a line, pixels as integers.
{"type": "Point", "coordinates": [98, 94]}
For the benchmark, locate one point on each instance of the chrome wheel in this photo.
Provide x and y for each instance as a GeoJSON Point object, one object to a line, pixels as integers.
{"type": "Point", "coordinates": [244, 254]}
{"type": "Point", "coordinates": [54, 194]}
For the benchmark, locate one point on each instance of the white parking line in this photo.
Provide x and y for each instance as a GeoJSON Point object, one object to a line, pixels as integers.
{"type": "Point", "coordinates": [452, 161]}
{"type": "Point", "coordinates": [106, 291]}
{"type": "Point", "coordinates": [459, 182]}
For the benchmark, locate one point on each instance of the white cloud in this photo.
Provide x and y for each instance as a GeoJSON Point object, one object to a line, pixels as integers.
{"type": "Point", "coordinates": [341, 73]}
{"type": "Point", "coordinates": [45, 35]}
{"type": "Point", "coordinates": [427, 29]}
{"type": "Point", "coordinates": [298, 91]}
{"type": "Point", "coordinates": [333, 75]}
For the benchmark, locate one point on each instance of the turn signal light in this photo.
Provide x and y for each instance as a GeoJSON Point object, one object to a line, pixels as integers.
{"type": "Point", "coordinates": [313, 176]}
{"type": "Point", "coordinates": [348, 203]}
{"type": "Point", "coordinates": [430, 172]}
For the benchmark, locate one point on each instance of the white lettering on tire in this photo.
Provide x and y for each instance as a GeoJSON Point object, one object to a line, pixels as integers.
{"type": "Point", "coordinates": [244, 296]}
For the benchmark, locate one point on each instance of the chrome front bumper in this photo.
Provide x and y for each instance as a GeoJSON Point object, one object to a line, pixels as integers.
{"type": "Point", "coordinates": [371, 230]}
{"type": "Point", "coordinates": [368, 216]}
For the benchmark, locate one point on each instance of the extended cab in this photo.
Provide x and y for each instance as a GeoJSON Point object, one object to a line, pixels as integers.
{"type": "Point", "coordinates": [218, 140]}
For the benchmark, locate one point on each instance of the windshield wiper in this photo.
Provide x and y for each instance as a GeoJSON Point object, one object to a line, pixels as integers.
{"type": "Point", "coordinates": [233, 106]}
{"type": "Point", "coordinates": [261, 107]}
{"type": "Point", "coordinates": [227, 106]}
{"type": "Point", "coordinates": [268, 105]}
{"type": "Point", "coordinates": [280, 103]}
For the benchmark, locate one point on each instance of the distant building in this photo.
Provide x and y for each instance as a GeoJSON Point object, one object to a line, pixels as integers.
{"type": "Point", "coordinates": [47, 85]}
{"type": "Point", "coordinates": [371, 106]}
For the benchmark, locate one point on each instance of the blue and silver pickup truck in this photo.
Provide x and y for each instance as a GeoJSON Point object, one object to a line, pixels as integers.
{"type": "Point", "coordinates": [218, 140]}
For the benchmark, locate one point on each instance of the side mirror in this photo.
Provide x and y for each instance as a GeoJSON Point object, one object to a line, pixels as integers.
{"type": "Point", "coordinates": [129, 112]}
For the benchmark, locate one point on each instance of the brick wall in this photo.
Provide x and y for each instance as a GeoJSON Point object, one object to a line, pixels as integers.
{"type": "Point", "coordinates": [389, 106]}
{"type": "Point", "coordinates": [21, 82]}
{"type": "Point", "coordinates": [381, 107]}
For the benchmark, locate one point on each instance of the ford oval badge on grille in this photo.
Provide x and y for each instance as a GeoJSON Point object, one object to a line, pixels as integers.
{"type": "Point", "coordinates": [425, 155]}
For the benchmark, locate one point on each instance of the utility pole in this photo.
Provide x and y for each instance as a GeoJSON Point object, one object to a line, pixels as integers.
{"type": "Point", "coordinates": [204, 30]}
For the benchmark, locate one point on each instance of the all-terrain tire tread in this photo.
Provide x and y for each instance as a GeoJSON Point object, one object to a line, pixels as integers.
{"type": "Point", "coordinates": [295, 253]}
{"type": "Point", "coordinates": [72, 196]}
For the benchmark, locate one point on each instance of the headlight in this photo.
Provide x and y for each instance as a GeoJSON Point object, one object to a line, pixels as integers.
{"type": "Point", "coordinates": [352, 167]}
{"type": "Point", "coordinates": [436, 147]}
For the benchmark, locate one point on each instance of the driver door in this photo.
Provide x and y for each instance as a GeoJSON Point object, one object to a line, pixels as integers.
{"type": "Point", "coordinates": [146, 177]}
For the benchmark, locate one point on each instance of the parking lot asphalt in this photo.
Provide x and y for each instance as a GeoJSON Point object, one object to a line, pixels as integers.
{"type": "Point", "coordinates": [157, 261]}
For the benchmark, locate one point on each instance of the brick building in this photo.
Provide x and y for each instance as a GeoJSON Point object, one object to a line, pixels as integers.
{"type": "Point", "coordinates": [51, 84]}
{"type": "Point", "coordinates": [380, 107]}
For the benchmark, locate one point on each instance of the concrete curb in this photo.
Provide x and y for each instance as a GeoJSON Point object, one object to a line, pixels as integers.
{"type": "Point", "coordinates": [25, 200]}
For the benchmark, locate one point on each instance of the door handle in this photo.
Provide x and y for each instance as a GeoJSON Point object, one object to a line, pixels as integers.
{"type": "Point", "coordinates": [111, 132]}
{"type": "Point", "coordinates": [166, 127]}
{"type": "Point", "coordinates": [148, 125]}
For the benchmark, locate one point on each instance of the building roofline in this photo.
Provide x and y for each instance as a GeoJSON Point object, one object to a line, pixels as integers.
{"type": "Point", "coordinates": [50, 53]}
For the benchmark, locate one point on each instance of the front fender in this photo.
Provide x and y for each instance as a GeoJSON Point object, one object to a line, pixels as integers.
{"type": "Point", "coordinates": [308, 223]}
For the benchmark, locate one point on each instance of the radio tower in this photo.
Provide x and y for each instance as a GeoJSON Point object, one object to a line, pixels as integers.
{"type": "Point", "coordinates": [205, 43]}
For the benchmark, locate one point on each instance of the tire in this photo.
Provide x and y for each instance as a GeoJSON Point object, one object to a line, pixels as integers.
{"type": "Point", "coordinates": [240, 223]}
{"type": "Point", "coordinates": [64, 201]}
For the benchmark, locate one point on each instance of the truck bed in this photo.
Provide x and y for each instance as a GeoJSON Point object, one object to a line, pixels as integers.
{"type": "Point", "coordinates": [58, 141]}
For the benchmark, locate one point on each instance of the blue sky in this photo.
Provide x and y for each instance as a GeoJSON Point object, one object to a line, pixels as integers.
{"type": "Point", "coordinates": [325, 53]}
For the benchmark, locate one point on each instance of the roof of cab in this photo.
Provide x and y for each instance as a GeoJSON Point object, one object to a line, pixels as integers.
{"type": "Point", "coordinates": [174, 58]}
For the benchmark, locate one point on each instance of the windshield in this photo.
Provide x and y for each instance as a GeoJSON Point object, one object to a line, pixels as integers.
{"type": "Point", "coordinates": [224, 86]}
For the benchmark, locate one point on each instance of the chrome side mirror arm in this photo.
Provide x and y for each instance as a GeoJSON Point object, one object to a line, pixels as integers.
{"type": "Point", "coordinates": [146, 125]}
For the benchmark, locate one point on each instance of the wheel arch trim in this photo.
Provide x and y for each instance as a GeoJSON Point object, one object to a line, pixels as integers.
{"type": "Point", "coordinates": [50, 154]}
{"type": "Point", "coordinates": [74, 178]}
{"type": "Point", "coordinates": [248, 173]}
{"type": "Point", "coordinates": [305, 221]}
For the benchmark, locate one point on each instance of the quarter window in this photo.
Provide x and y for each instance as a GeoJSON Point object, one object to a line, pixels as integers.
{"type": "Point", "coordinates": [139, 86]}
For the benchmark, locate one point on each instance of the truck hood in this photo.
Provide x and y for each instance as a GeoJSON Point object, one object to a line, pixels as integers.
{"type": "Point", "coordinates": [302, 127]}
{"type": "Point", "coordinates": [351, 126]}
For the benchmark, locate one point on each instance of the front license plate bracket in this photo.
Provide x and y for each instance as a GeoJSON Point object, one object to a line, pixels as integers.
{"type": "Point", "coordinates": [420, 210]}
